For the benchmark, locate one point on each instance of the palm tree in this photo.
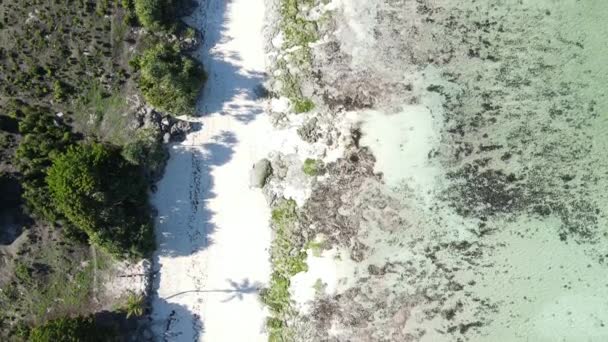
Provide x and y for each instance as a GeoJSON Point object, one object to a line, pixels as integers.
{"type": "Point", "coordinates": [135, 304]}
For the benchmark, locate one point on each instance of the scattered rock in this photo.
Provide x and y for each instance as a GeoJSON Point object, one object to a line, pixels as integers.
{"type": "Point", "coordinates": [376, 270]}
{"type": "Point", "coordinates": [259, 173]}
{"type": "Point", "coordinates": [170, 128]}
{"type": "Point", "coordinates": [179, 129]}
{"type": "Point", "coordinates": [308, 131]}
{"type": "Point", "coordinates": [166, 138]}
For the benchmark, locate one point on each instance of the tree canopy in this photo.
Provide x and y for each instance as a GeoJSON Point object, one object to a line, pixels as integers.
{"type": "Point", "coordinates": [155, 14]}
{"type": "Point", "coordinates": [43, 138]}
{"type": "Point", "coordinates": [169, 79]}
{"type": "Point", "coordinates": [102, 194]}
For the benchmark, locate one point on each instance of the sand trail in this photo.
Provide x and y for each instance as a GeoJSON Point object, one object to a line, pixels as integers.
{"type": "Point", "coordinates": [212, 229]}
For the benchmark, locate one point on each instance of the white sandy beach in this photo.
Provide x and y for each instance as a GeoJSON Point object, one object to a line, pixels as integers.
{"type": "Point", "coordinates": [212, 229]}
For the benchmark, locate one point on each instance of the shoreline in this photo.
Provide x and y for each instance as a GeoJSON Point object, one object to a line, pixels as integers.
{"type": "Point", "coordinates": [435, 220]}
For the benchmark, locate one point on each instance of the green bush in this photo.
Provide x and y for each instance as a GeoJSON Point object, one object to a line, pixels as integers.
{"type": "Point", "coordinates": [276, 296]}
{"type": "Point", "coordinates": [4, 140]}
{"type": "Point", "coordinates": [129, 8]}
{"type": "Point", "coordinates": [148, 151]}
{"type": "Point", "coordinates": [42, 140]}
{"type": "Point", "coordinates": [135, 305]}
{"type": "Point", "coordinates": [105, 196]}
{"type": "Point", "coordinates": [169, 79]}
{"type": "Point", "coordinates": [156, 14]}
{"type": "Point", "coordinates": [303, 105]}
{"type": "Point", "coordinates": [288, 259]}
{"type": "Point", "coordinates": [79, 329]}
{"type": "Point", "coordinates": [59, 91]}
{"type": "Point", "coordinates": [311, 167]}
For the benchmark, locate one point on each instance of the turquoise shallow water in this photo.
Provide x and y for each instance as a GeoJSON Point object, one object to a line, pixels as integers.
{"type": "Point", "coordinates": [517, 154]}
{"type": "Point", "coordinates": [487, 123]}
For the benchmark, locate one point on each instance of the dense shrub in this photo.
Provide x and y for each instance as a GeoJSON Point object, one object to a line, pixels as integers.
{"type": "Point", "coordinates": [43, 138]}
{"type": "Point", "coordinates": [147, 150]}
{"type": "Point", "coordinates": [169, 79]}
{"type": "Point", "coordinates": [156, 14]}
{"type": "Point", "coordinates": [79, 329]}
{"type": "Point", "coordinates": [105, 196]}
{"type": "Point", "coordinates": [129, 8]}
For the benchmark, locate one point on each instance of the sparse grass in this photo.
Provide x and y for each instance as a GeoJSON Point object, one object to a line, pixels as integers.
{"type": "Point", "coordinates": [65, 290]}
{"type": "Point", "coordinates": [119, 30]}
{"type": "Point", "coordinates": [288, 259]}
{"type": "Point", "coordinates": [103, 114]}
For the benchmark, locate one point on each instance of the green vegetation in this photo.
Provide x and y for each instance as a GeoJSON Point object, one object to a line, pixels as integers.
{"type": "Point", "coordinates": [169, 79]}
{"type": "Point", "coordinates": [55, 278]}
{"type": "Point", "coordinates": [72, 152]}
{"type": "Point", "coordinates": [105, 196]}
{"type": "Point", "coordinates": [135, 305]}
{"type": "Point", "coordinates": [299, 33]}
{"type": "Point", "coordinates": [101, 114]}
{"type": "Point", "coordinates": [288, 259]}
{"type": "Point", "coordinates": [146, 149]}
{"type": "Point", "coordinates": [59, 91]}
{"type": "Point", "coordinates": [156, 14]}
{"type": "Point", "coordinates": [130, 17]}
{"type": "Point", "coordinates": [316, 247]}
{"type": "Point", "coordinates": [311, 167]}
{"type": "Point", "coordinates": [303, 105]}
{"type": "Point", "coordinates": [79, 329]}
{"type": "Point", "coordinates": [42, 139]}
{"type": "Point", "coordinates": [91, 185]}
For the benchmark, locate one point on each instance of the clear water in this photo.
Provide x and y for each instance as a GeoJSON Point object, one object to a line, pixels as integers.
{"type": "Point", "coordinates": [500, 143]}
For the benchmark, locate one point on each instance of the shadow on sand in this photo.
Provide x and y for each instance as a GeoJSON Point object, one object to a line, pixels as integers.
{"type": "Point", "coordinates": [236, 290]}
{"type": "Point", "coordinates": [184, 228]}
{"type": "Point", "coordinates": [227, 80]}
{"type": "Point", "coordinates": [179, 325]}
{"type": "Point", "coordinates": [184, 225]}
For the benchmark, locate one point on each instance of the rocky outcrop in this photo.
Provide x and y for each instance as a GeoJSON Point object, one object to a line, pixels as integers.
{"type": "Point", "coordinates": [169, 127]}
{"type": "Point", "coordinates": [259, 173]}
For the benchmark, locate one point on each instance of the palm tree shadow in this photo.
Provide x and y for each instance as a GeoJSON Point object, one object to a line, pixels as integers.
{"type": "Point", "coordinates": [230, 88]}
{"type": "Point", "coordinates": [236, 290]}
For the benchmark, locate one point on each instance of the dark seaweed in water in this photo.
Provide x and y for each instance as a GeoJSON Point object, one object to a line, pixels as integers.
{"type": "Point", "coordinates": [484, 192]}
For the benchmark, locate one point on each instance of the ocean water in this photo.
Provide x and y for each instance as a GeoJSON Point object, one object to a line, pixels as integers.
{"type": "Point", "coordinates": [494, 135]}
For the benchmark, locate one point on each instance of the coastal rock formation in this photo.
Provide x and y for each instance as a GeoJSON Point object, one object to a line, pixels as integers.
{"type": "Point", "coordinates": [464, 201]}
{"type": "Point", "coordinates": [259, 173]}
